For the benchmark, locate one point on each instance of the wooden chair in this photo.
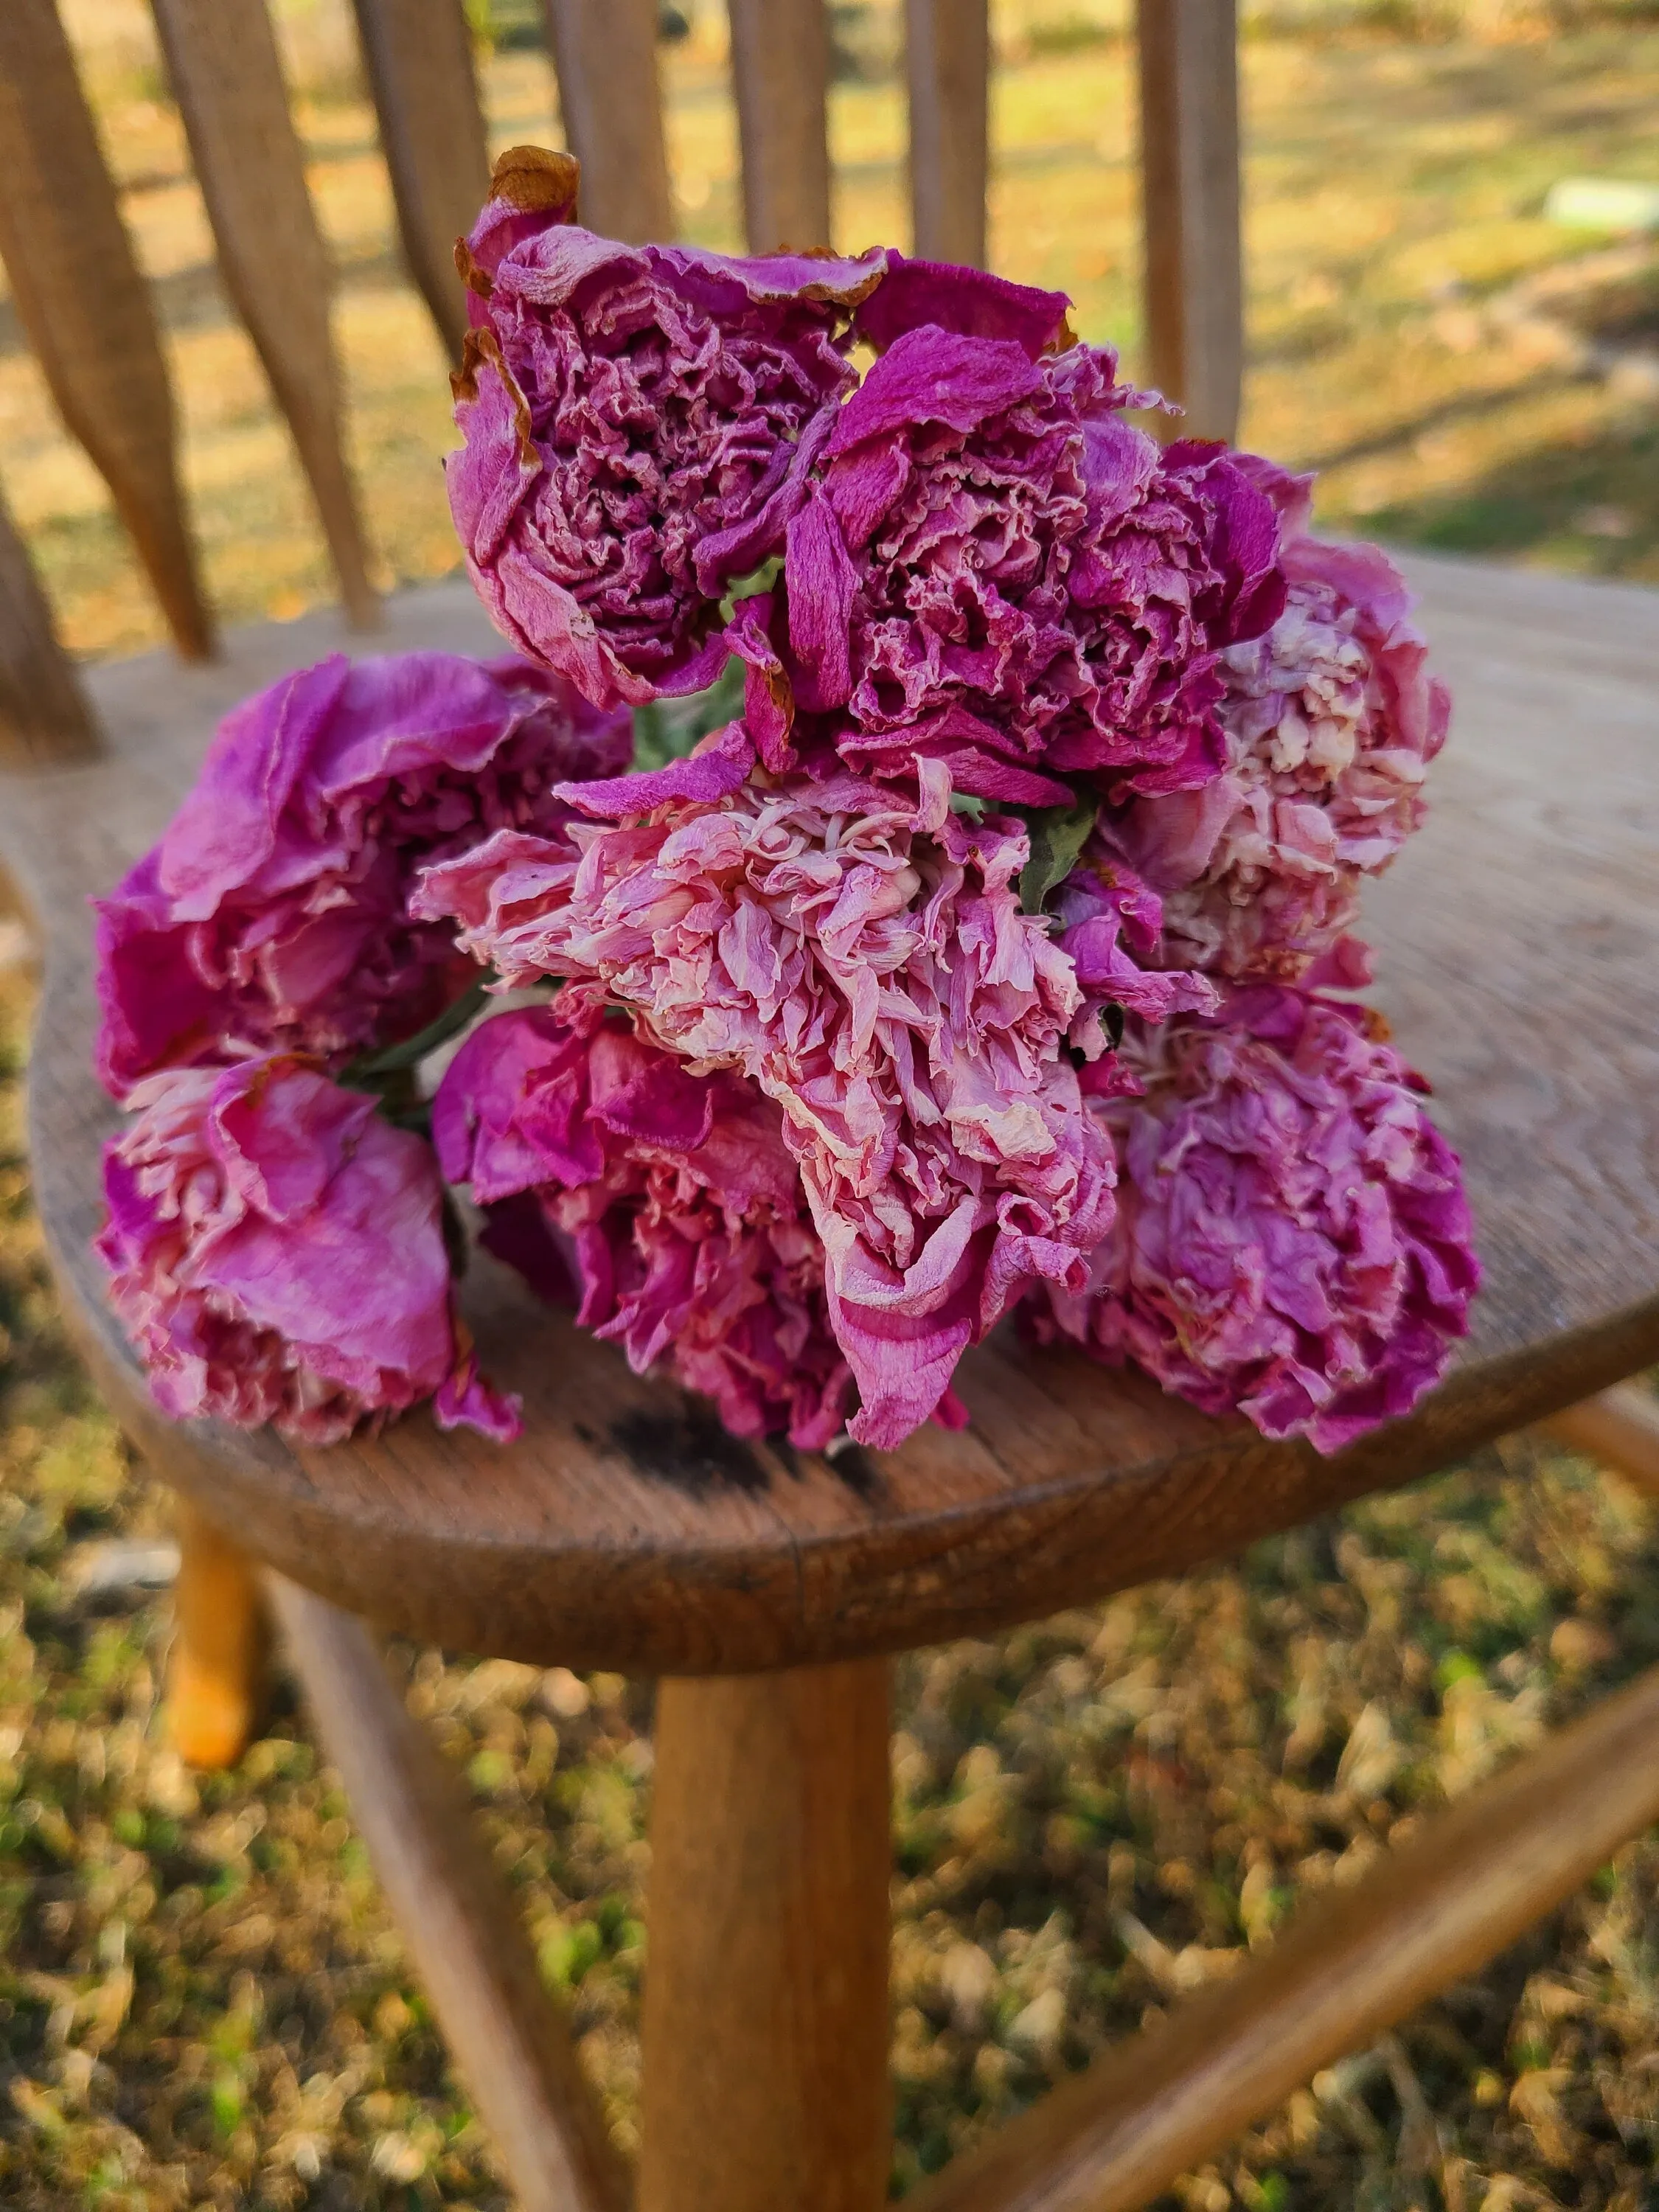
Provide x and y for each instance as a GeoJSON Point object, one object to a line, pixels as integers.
{"type": "Point", "coordinates": [1518, 943]}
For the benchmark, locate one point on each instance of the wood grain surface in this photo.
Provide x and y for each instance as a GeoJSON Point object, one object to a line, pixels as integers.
{"type": "Point", "coordinates": [44, 714]}
{"type": "Point", "coordinates": [765, 2032]}
{"type": "Point", "coordinates": [605, 58]}
{"type": "Point", "coordinates": [948, 51]}
{"type": "Point", "coordinates": [419, 55]}
{"type": "Point", "coordinates": [1190, 182]}
{"type": "Point", "coordinates": [86, 308]}
{"type": "Point", "coordinates": [513, 2048]}
{"type": "Point", "coordinates": [1471, 1881]}
{"type": "Point", "coordinates": [227, 76]}
{"type": "Point", "coordinates": [1518, 957]}
{"type": "Point", "coordinates": [781, 69]}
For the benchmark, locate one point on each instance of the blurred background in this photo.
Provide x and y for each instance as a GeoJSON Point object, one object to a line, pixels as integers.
{"type": "Point", "coordinates": [1467, 370]}
{"type": "Point", "coordinates": [202, 2002]}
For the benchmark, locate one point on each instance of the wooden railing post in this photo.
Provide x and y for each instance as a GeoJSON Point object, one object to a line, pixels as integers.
{"type": "Point", "coordinates": [1190, 162]}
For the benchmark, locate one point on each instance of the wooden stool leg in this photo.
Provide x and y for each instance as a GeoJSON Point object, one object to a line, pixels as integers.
{"type": "Point", "coordinates": [217, 1673]}
{"type": "Point", "coordinates": [766, 2027]}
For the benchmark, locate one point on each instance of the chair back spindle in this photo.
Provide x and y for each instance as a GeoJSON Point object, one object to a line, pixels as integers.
{"type": "Point", "coordinates": [419, 58]}
{"type": "Point", "coordinates": [227, 78]}
{"type": "Point", "coordinates": [86, 308]}
{"type": "Point", "coordinates": [1193, 284]}
{"type": "Point", "coordinates": [606, 59]}
{"type": "Point", "coordinates": [948, 49]}
{"type": "Point", "coordinates": [43, 715]}
{"type": "Point", "coordinates": [780, 73]}
{"type": "Point", "coordinates": [87, 312]}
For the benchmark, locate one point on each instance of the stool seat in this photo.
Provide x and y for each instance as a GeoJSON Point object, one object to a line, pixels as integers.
{"type": "Point", "coordinates": [1517, 955]}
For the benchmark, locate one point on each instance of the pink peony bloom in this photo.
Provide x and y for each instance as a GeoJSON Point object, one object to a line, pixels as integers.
{"type": "Point", "coordinates": [1111, 927]}
{"type": "Point", "coordinates": [1331, 720]}
{"type": "Point", "coordinates": [675, 1197]}
{"type": "Point", "coordinates": [997, 571]}
{"type": "Point", "coordinates": [1292, 1241]}
{"type": "Point", "coordinates": [863, 958]}
{"type": "Point", "coordinates": [276, 1253]}
{"type": "Point", "coordinates": [639, 424]}
{"type": "Point", "coordinates": [273, 911]}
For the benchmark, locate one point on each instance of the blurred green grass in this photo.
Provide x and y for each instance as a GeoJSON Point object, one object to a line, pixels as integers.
{"type": "Point", "coordinates": [201, 2000]}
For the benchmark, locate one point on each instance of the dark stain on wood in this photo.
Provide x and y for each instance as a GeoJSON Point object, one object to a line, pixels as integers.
{"type": "Point", "coordinates": [690, 1449]}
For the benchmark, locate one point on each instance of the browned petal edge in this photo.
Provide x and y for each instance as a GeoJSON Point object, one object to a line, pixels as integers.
{"type": "Point", "coordinates": [536, 181]}
{"type": "Point", "coordinates": [844, 295]}
{"type": "Point", "coordinates": [476, 277]}
{"type": "Point", "coordinates": [482, 349]}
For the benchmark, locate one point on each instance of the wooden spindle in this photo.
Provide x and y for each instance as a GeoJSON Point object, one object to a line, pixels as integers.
{"type": "Point", "coordinates": [419, 56]}
{"type": "Point", "coordinates": [1350, 1965]}
{"type": "Point", "coordinates": [1620, 1430]}
{"type": "Point", "coordinates": [765, 2029]}
{"type": "Point", "coordinates": [948, 49]}
{"type": "Point", "coordinates": [512, 2046]}
{"type": "Point", "coordinates": [1189, 158]}
{"type": "Point", "coordinates": [227, 77]}
{"type": "Point", "coordinates": [780, 62]}
{"type": "Point", "coordinates": [216, 1670]}
{"type": "Point", "coordinates": [606, 61]}
{"type": "Point", "coordinates": [44, 714]}
{"type": "Point", "coordinates": [85, 307]}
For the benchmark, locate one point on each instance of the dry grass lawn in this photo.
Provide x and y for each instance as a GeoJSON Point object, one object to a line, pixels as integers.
{"type": "Point", "coordinates": [201, 2000]}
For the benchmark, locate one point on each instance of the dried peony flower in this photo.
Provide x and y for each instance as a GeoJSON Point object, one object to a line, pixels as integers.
{"type": "Point", "coordinates": [863, 958]}
{"type": "Point", "coordinates": [997, 571]}
{"type": "Point", "coordinates": [672, 1193]}
{"type": "Point", "coordinates": [639, 424]}
{"type": "Point", "coordinates": [276, 1253]}
{"type": "Point", "coordinates": [273, 911]}
{"type": "Point", "coordinates": [1292, 1240]}
{"type": "Point", "coordinates": [1331, 720]}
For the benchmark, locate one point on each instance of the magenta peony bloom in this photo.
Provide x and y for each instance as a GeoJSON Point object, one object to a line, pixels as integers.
{"type": "Point", "coordinates": [1292, 1240]}
{"type": "Point", "coordinates": [999, 572]}
{"type": "Point", "coordinates": [863, 958]}
{"type": "Point", "coordinates": [639, 423]}
{"type": "Point", "coordinates": [273, 911]}
{"type": "Point", "coordinates": [673, 1194]}
{"type": "Point", "coordinates": [276, 1253]}
{"type": "Point", "coordinates": [1332, 720]}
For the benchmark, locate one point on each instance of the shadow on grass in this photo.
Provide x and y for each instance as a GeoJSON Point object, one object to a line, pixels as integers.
{"type": "Point", "coordinates": [1591, 507]}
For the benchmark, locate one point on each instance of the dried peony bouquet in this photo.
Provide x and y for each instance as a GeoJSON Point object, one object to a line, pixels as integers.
{"type": "Point", "coordinates": [922, 832]}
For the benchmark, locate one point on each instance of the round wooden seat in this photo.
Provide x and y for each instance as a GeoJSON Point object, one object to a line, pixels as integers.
{"type": "Point", "coordinates": [1518, 959]}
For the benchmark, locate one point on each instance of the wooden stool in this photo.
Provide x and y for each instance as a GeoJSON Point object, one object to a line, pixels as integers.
{"type": "Point", "coordinates": [1518, 955]}
{"type": "Point", "coordinates": [1519, 959]}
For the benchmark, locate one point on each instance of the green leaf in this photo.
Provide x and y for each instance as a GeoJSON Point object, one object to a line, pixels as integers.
{"type": "Point", "coordinates": [1058, 835]}
{"type": "Point", "coordinates": [371, 1071]}
{"type": "Point", "coordinates": [747, 587]}
{"type": "Point", "coordinates": [667, 729]}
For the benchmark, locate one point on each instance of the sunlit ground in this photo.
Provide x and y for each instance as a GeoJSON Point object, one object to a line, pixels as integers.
{"type": "Point", "coordinates": [201, 2000]}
